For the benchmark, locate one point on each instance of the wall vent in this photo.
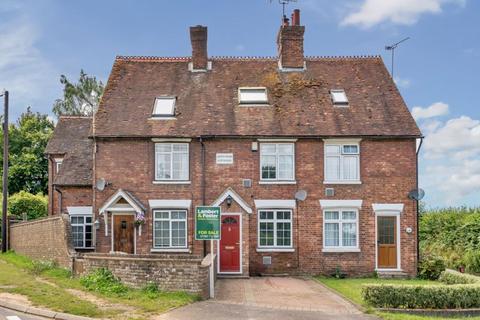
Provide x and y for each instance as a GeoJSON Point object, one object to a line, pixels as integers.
{"type": "Point", "coordinates": [247, 183]}
{"type": "Point", "coordinates": [329, 192]}
{"type": "Point", "coordinates": [267, 260]}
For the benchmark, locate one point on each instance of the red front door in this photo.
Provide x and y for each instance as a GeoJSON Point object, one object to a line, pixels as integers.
{"type": "Point", "coordinates": [230, 244]}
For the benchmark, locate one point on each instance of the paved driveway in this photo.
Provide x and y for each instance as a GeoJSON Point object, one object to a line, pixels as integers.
{"type": "Point", "coordinates": [269, 298]}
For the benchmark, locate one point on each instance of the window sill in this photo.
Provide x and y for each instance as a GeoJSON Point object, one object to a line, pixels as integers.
{"type": "Point", "coordinates": [170, 182]}
{"type": "Point", "coordinates": [84, 248]}
{"type": "Point", "coordinates": [275, 249]}
{"type": "Point", "coordinates": [162, 118]}
{"type": "Point", "coordinates": [172, 250]}
{"type": "Point", "coordinates": [260, 105]}
{"type": "Point", "coordinates": [341, 250]}
{"type": "Point", "coordinates": [343, 182]}
{"type": "Point", "coordinates": [277, 182]}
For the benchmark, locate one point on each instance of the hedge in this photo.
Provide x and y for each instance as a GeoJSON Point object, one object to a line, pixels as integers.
{"type": "Point", "coordinates": [455, 277]}
{"type": "Point", "coordinates": [34, 205]}
{"type": "Point", "coordinates": [459, 296]}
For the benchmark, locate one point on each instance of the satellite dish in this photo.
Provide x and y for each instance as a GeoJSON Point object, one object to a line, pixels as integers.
{"type": "Point", "coordinates": [301, 195]}
{"type": "Point", "coordinates": [100, 184]}
{"type": "Point", "coordinates": [416, 194]}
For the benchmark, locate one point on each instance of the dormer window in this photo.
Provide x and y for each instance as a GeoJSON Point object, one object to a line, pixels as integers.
{"type": "Point", "coordinates": [252, 95]}
{"type": "Point", "coordinates": [339, 97]}
{"type": "Point", "coordinates": [164, 107]}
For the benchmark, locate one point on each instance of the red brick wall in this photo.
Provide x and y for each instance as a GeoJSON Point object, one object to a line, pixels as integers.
{"type": "Point", "coordinates": [387, 174]}
{"type": "Point", "coordinates": [71, 196]}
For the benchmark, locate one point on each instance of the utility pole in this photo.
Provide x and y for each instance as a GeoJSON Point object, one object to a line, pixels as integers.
{"type": "Point", "coordinates": [5, 174]}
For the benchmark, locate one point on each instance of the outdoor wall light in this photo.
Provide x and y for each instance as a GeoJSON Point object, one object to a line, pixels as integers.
{"type": "Point", "coordinates": [229, 201]}
{"type": "Point", "coordinates": [97, 224]}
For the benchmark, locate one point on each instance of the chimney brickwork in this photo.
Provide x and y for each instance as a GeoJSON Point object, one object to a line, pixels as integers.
{"type": "Point", "coordinates": [198, 38]}
{"type": "Point", "coordinates": [290, 43]}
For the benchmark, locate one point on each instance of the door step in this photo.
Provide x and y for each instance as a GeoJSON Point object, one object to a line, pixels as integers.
{"type": "Point", "coordinates": [392, 275]}
{"type": "Point", "coordinates": [231, 276]}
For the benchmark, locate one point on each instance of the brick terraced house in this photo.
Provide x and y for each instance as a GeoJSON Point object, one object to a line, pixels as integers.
{"type": "Point", "coordinates": [310, 158]}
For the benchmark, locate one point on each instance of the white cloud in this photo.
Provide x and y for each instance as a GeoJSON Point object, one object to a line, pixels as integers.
{"type": "Point", "coordinates": [434, 110]}
{"type": "Point", "coordinates": [404, 12]}
{"type": "Point", "coordinates": [401, 82]}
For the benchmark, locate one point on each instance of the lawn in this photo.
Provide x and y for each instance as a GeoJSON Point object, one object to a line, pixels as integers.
{"type": "Point", "coordinates": [53, 288]}
{"type": "Point", "coordinates": [352, 290]}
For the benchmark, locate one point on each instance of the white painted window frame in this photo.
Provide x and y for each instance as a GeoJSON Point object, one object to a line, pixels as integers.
{"type": "Point", "coordinates": [340, 221]}
{"type": "Point", "coordinates": [171, 180]}
{"type": "Point", "coordinates": [164, 116]}
{"type": "Point", "coordinates": [170, 220]}
{"type": "Point", "coordinates": [277, 167]}
{"type": "Point", "coordinates": [275, 247]}
{"type": "Point", "coordinates": [341, 143]}
{"type": "Point", "coordinates": [83, 225]}
{"type": "Point", "coordinates": [252, 103]}
{"type": "Point", "coordinates": [58, 164]}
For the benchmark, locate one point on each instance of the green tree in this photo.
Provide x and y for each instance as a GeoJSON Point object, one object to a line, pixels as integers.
{"type": "Point", "coordinates": [79, 99]}
{"type": "Point", "coordinates": [28, 166]}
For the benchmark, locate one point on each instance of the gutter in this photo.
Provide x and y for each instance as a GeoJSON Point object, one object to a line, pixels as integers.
{"type": "Point", "coordinates": [259, 136]}
{"type": "Point", "coordinates": [417, 201]}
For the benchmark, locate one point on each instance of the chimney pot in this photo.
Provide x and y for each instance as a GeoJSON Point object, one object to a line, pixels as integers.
{"type": "Point", "coordinates": [296, 17]}
{"type": "Point", "coordinates": [198, 38]}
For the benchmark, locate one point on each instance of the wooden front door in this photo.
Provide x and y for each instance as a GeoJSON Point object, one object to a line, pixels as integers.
{"type": "Point", "coordinates": [230, 244]}
{"type": "Point", "coordinates": [387, 242]}
{"type": "Point", "coordinates": [123, 233]}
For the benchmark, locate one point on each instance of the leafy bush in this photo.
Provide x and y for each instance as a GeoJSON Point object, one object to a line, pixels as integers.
{"type": "Point", "coordinates": [430, 267]}
{"type": "Point", "coordinates": [35, 206]}
{"type": "Point", "coordinates": [422, 297]}
{"type": "Point", "coordinates": [38, 267]}
{"type": "Point", "coordinates": [472, 261]}
{"type": "Point", "coordinates": [455, 277]}
{"type": "Point", "coordinates": [102, 280]}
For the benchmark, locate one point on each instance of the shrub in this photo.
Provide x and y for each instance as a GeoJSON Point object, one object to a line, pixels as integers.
{"type": "Point", "coordinates": [472, 261]}
{"type": "Point", "coordinates": [455, 277]}
{"type": "Point", "coordinates": [35, 206]}
{"type": "Point", "coordinates": [38, 267]}
{"type": "Point", "coordinates": [102, 280]}
{"type": "Point", "coordinates": [430, 267]}
{"type": "Point", "coordinates": [422, 297]}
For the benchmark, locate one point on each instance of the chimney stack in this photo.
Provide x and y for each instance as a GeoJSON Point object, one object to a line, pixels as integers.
{"type": "Point", "coordinates": [198, 38]}
{"type": "Point", "coordinates": [290, 43]}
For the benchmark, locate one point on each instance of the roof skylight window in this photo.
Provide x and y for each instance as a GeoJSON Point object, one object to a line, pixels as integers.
{"type": "Point", "coordinates": [339, 97]}
{"type": "Point", "coordinates": [164, 107]}
{"type": "Point", "coordinates": [252, 96]}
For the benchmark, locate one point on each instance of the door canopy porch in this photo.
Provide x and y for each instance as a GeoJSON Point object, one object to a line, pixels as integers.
{"type": "Point", "coordinates": [229, 192]}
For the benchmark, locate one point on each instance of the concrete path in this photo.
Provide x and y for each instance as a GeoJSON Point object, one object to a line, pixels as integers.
{"type": "Point", "coordinates": [269, 298]}
{"type": "Point", "coordinates": [7, 314]}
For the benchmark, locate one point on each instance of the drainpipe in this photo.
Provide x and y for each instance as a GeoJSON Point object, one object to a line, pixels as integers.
{"type": "Point", "coordinates": [203, 186]}
{"type": "Point", "coordinates": [418, 211]}
{"type": "Point", "coordinates": [59, 199]}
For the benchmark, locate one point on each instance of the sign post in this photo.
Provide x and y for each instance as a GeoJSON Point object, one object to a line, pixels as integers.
{"type": "Point", "coordinates": [207, 227]}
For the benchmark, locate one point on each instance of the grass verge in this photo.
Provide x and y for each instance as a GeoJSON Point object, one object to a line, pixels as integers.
{"type": "Point", "coordinates": [352, 290]}
{"type": "Point", "coordinates": [48, 286]}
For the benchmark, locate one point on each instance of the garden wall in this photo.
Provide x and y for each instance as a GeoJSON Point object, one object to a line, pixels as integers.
{"type": "Point", "coordinates": [170, 272]}
{"type": "Point", "coordinates": [44, 239]}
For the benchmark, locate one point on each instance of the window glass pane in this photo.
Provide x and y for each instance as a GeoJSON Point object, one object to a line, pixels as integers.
{"type": "Point", "coordinates": [253, 95]}
{"type": "Point", "coordinates": [269, 167]}
{"type": "Point", "coordinates": [339, 96]}
{"type": "Point", "coordinates": [163, 166]}
{"type": "Point", "coordinates": [269, 148]}
{"type": "Point", "coordinates": [163, 147]}
{"type": "Point", "coordinates": [331, 215]}
{"type": "Point", "coordinates": [349, 215]}
{"type": "Point", "coordinates": [266, 215]}
{"type": "Point", "coordinates": [180, 166]}
{"type": "Point", "coordinates": [266, 234]}
{"type": "Point", "coordinates": [161, 214]}
{"type": "Point", "coordinates": [178, 234]}
{"type": "Point", "coordinates": [332, 149]}
{"type": "Point", "coordinates": [77, 235]}
{"type": "Point", "coordinates": [285, 167]}
{"type": "Point", "coordinates": [331, 234]}
{"type": "Point", "coordinates": [164, 106]}
{"type": "Point", "coordinates": [161, 234]}
{"type": "Point", "coordinates": [349, 234]}
{"type": "Point", "coordinates": [283, 215]}
{"type": "Point", "coordinates": [353, 149]}
{"type": "Point", "coordinates": [76, 220]}
{"type": "Point", "coordinates": [332, 168]}
{"type": "Point", "coordinates": [350, 167]}
{"type": "Point", "coordinates": [285, 148]}
{"type": "Point", "coordinates": [180, 147]}
{"type": "Point", "coordinates": [283, 234]}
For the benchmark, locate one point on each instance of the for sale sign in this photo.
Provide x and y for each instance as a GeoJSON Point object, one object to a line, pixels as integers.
{"type": "Point", "coordinates": [207, 223]}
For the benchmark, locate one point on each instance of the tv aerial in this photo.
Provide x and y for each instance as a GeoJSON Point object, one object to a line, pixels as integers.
{"type": "Point", "coordinates": [284, 3]}
{"type": "Point", "coordinates": [301, 195]}
{"type": "Point", "coordinates": [100, 184]}
{"type": "Point", "coordinates": [392, 48]}
{"type": "Point", "coordinates": [416, 194]}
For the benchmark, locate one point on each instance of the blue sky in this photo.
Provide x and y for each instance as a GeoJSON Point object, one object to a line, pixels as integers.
{"type": "Point", "coordinates": [436, 70]}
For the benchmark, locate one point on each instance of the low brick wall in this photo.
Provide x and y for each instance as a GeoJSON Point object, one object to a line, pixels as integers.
{"type": "Point", "coordinates": [170, 272]}
{"type": "Point", "coordinates": [44, 239]}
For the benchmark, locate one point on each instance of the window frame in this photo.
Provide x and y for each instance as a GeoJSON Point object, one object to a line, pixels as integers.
{"type": "Point", "coordinates": [156, 178]}
{"type": "Point", "coordinates": [174, 108]}
{"type": "Point", "coordinates": [58, 164]}
{"type": "Point", "coordinates": [277, 167]}
{"type": "Point", "coordinates": [341, 155]}
{"type": "Point", "coordinates": [340, 221]}
{"type": "Point", "coordinates": [170, 247]}
{"type": "Point", "coordinates": [275, 221]}
{"type": "Point", "coordinates": [339, 103]}
{"type": "Point", "coordinates": [83, 225]}
{"type": "Point", "coordinates": [253, 102]}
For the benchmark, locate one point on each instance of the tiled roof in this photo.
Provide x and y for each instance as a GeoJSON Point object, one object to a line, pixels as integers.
{"type": "Point", "coordinates": [207, 102]}
{"type": "Point", "coordinates": [70, 138]}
